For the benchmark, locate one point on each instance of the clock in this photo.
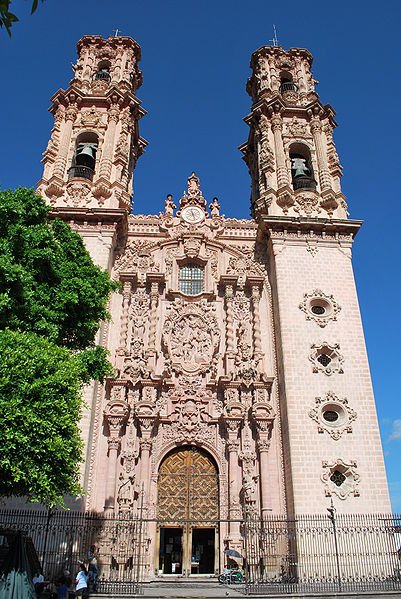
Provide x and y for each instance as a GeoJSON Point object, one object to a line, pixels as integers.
{"type": "Point", "coordinates": [192, 214]}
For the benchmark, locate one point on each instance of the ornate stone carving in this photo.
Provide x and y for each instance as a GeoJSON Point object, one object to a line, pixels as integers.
{"type": "Point", "coordinates": [137, 257]}
{"type": "Point", "coordinates": [333, 415]}
{"type": "Point", "coordinates": [307, 203]}
{"type": "Point", "coordinates": [192, 246]}
{"type": "Point", "coordinates": [245, 265]}
{"type": "Point", "coordinates": [297, 128]}
{"type": "Point", "coordinates": [326, 358]}
{"type": "Point", "coordinates": [246, 366]}
{"type": "Point", "coordinates": [78, 193]}
{"type": "Point", "coordinates": [320, 307]}
{"type": "Point", "coordinates": [241, 307]}
{"type": "Point", "coordinates": [191, 337]}
{"type": "Point", "coordinates": [194, 194]}
{"type": "Point", "coordinates": [340, 478]}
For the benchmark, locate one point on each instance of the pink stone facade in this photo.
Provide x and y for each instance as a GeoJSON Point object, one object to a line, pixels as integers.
{"type": "Point", "coordinates": [242, 338]}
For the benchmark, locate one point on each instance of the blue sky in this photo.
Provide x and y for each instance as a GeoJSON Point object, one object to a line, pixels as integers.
{"type": "Point", "coordinates": [195, 66]}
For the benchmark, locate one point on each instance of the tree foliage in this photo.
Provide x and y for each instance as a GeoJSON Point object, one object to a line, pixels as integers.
{"type": "Point", "coordinates": [52, 298]}
{"type": "Point", "coordinates": [7, 18]}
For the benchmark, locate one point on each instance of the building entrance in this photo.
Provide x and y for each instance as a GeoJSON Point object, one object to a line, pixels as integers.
{"type": "Point", "coordinates": [188, 511]}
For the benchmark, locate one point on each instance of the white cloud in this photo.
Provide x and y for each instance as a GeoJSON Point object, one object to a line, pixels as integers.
{"type": "Point", "coordinates": [396, 431]}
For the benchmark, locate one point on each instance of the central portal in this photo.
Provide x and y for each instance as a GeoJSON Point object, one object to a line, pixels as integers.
{"type": "Point", "coordinates": [188, 510]}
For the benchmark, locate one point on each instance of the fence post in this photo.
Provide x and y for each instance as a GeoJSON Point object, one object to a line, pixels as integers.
{"type": "Point", "coordinates": [332, 517]}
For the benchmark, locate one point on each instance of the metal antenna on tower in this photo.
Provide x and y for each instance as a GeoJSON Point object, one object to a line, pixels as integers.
{"type": "Point", "coordinates": [275, 38]}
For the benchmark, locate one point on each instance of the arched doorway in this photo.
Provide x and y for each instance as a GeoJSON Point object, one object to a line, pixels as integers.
{"type": "Point", "coordinates": [188, 511]}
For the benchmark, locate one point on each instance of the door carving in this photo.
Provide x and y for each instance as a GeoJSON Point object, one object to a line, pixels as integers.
{"type": "Point", "coordinates": [188, 487]}
{"type": "Point", "coordinates": [188, 511]}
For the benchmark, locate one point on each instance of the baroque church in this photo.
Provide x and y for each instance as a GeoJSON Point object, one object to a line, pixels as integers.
{"type": "Point", "coordinates": [242, 386]}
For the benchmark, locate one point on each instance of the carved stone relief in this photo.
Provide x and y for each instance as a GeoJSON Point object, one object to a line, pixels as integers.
{"type": "Point", "coordinates": [191, 337]}
{"type": "Point", "coordinates": [320, 307]}
{"type": "Point", "coordinates": [340, 478]}
{"type": "Point", "coordinates": [326, 358]}
{"type": "Point", "coordinates": [333, 415]}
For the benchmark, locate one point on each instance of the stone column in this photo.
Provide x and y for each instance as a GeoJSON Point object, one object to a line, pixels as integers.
{"type": "Point", "coordinates": [263, 447]}
{"type": "Point", "coordinates": [114, 444]}
{"type": "Point", "coordinates": [146, 446]}
{"type": "Point", "coordinates": [124, 315]}
{"type": "Point", "coordinates": [282, 173]}
{"type": "Point", "coordinates": [324, 174]}
{"type": "Point", "coordinates": [257, 336]}
{"type": "Point", "coordinates": [65, 140]}
{"type": "Point", "coordinates": [234, 511]}
{"type": "Point", "coordinates": [154, 300]}
{"type": "Point", "coordinates": [108, 144]}
{"type": "Point", "coordinates": [116, 415]}
{"type": "Point", "coordinates": [230, 354]}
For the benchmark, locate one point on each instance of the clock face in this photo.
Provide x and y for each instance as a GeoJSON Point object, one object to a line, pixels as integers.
{"type": "Point", "coordinates": [192, 214]}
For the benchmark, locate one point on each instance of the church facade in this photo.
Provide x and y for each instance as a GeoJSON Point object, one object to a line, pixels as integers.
{"type": "Point", "coordinates": [242, 385]}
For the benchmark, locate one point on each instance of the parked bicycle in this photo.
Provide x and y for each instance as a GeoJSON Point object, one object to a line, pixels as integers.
{"type": "Point", "coordinates": [231, 576]}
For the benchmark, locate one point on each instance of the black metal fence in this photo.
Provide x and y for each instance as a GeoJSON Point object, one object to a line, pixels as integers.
{"type": "Point", "coordinates": [62, 539]}
{"type": "Point", "coordinates": [308, 553]}
{"type": "Point", "coordinates": [323, 553]}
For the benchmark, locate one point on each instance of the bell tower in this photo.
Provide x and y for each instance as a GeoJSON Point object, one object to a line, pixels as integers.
{"type": "Point", "coordinates": [95, 141]}
{"type": "Point", "coordinates": [290, 151]}
{"type": "Point", "coordinates": [331, 440]}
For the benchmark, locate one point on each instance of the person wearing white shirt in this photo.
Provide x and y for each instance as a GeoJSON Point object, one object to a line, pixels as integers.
{"type": "Point", "coordinates": [81, 583]}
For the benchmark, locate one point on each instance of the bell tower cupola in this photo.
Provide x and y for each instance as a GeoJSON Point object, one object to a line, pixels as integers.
{"type": "Point", "coordinates": [95, 141]}
{"type": "Point", "coordinates": [290, 152]}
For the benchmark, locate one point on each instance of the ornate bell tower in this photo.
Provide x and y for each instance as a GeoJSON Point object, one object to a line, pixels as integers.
{"type": "Point", "coordinates": [95, 141]}
{"type": "Point", "coordinates": [290, 152]}
{"type": "Point", "coordinates": [331, 441]}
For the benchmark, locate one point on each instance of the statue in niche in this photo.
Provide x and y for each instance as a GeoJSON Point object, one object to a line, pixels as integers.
{"type": "Point", "coordinates": [124, 494]}
{"type": "Point", "coordinates": [248, 489]}
{"type": "Point", "coordinates": [138, 327]}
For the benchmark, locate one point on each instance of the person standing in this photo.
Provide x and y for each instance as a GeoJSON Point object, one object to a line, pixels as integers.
{"type": "Point", "coordinates": [81, 582]}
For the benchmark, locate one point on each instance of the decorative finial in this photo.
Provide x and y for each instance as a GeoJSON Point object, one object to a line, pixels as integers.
{"type": "Point", "coordinates": [193, 195]}
{"type": "Point", "coordinates": [116, 32]}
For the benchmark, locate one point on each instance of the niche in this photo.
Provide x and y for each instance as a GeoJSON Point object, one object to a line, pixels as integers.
{"type": "Point", "coordinates": [84, 161]}
{"type": "Point", "coordinates": [301, 167]}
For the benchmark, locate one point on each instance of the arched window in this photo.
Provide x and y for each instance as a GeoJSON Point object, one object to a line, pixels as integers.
{"type": "Point", "coordinates": [191, 279]}
{"type": "Point", "coordinates": [287, 83]}
{"type": "Point", "coordinates": [301, 167]}
{"type": "Point", "coordinates": [84, 161]}
{"type": "Point", "coordinates": [103, 71]}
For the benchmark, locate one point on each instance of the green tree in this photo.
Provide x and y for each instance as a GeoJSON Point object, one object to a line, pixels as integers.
{"type": "Point", "coordinates": [52, 298]}
{"type": "Point", "coordinates": [7, 18]}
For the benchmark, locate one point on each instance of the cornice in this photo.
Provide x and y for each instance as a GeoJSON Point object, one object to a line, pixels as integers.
{"type": "Point", "coordinates": [89, 215]}
{"type": "Point", "coordinates": [319, 226]}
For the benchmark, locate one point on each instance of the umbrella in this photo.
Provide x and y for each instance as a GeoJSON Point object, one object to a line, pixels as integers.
{"type": "Point", "coordinates": [15, 582]}
{"type": "Point", "coordinates": [232, 553]}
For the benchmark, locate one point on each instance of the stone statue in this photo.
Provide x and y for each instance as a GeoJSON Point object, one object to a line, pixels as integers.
{"type": "Point", "coordinates": [169, 206]}
{"type": "Point", "coordinates": [215, 208]}
{"type": "Point", "coordinates": [299, 166]}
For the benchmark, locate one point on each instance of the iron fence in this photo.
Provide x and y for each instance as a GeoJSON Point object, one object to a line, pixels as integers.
{"type": "Point", "coordinates": [323, 553]}
{"type": "Point", "coordinates": [305, 554]}
{"type": "Point", "coordinates": [62, 539]}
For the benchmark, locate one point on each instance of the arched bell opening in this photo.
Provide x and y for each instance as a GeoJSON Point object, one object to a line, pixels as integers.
{"type": "Point", "coordinates": [84, 160]}
{"type": "Point", "coordinates": [301, 167]}
{"type": "Point", "coordinates": [188, 513]}
{"type": "Point", "coordinates": [103, 71]}
{"type": "Point", "coordinates": [287, 83]}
